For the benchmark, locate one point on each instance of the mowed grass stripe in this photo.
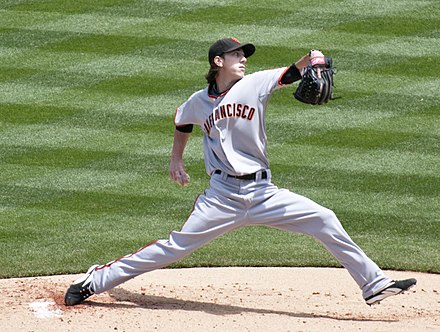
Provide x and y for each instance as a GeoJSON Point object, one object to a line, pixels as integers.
{"type": "Point", "coordinates": [407, 207]}
{"type": "Point", "coordinates": [342, 179]}
{"type": "Point", "coordinates": [388, 84]}
{"type": "Point", "coordinates": [348, 103]}
{"type": "Point", "coordinates": [49, 168]}
{"type": "Point", "coordinates": [26, 93]}
{"type": "Point", "coordinates": [78, 179]}
{"type": "Point", "coordinates": [25, 19]}
{"type": "Point", "coordinates": [69, 158]}
{"type": "Point", "coordinates": [392, 26]}
{"type": "Point", "coordinates": [404, 46]}
{"type": "Point", "coordinates": [98, 236]}
{"type": "Point", "coordinates": [28, 186]}
{"type": "Point", "coordinates": [85, 103]}
{"type": "Point", "coordinates": [393, 229]}
{"type": "Point", "coordinates": [326, 119]}
{"type": "Point", "coordinates": [362, 139]}
{"type": "Point", "coordinates": [143, 119]}
{"type": "Point", "coordinates": [119, 7]}
{"type": "Point", "coordinates": [129, 105]}
{"type": "Point", "coordinates": [374, 161]}
{"type": "Point", "coordinates": [371, 139]}
{"type": "Point", "coordinates": [37, 60]}
{"type": "Point", "coordinates": [85, 70]}
{"type": "Point", "coordinates": [129, 85]}
{"type": "Point", "coordinates": [268, 36]}
{"type": "Point", "coordinates": [19, 114]}
{"type": "Point", "coordinates": [107, 140]}
{"type": "Point", "coordinates": [164, 8]}
{"type": "Point", "coordinates": [404, 8]}
{"type": "Point", "coordinates": [356, 8]}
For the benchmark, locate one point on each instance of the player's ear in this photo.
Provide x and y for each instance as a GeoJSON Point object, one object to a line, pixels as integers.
{"type": "Point", "coordinates": [218, 61]}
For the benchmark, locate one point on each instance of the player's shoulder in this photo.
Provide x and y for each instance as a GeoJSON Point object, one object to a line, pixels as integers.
{"type": "Point", "coordinates": [265, 73]}
{"type": "Point", "coordinates": [195, 99]}
{"type": "Point", "coordinates": [199, 94]}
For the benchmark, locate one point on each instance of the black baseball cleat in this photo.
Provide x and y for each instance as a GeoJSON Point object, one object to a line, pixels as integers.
{"type": "Point", "coordinates": [80, 290]}
{"type": "Point", "coordinates": [397, 287]}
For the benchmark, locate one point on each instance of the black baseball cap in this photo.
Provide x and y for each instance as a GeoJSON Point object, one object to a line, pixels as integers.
{"type": "Point", "coordinates": [228, 45]}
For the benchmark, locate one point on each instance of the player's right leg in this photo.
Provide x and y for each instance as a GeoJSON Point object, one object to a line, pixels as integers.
{"type": "Point", "coordinates": [213, 215]}
{"type": "Point", "coordinates": [157, 254]}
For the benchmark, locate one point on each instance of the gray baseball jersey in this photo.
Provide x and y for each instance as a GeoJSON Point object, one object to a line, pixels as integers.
{"type": "Point", "coordinates": [233, 123]}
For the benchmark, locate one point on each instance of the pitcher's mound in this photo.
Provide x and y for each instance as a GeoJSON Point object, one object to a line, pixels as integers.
{"type": "Point", "coordinates": [222, 299]}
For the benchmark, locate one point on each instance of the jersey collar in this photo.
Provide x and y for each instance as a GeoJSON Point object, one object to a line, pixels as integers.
{"type": "Point", "coordinates": [214, 93]}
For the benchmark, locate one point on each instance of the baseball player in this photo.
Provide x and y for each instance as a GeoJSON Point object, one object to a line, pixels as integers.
{"type": "Point", "coordinates": [231, 112]}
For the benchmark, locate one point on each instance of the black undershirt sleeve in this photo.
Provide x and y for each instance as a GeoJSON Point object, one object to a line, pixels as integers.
{"type": "Point", "coordinates": [292, 74]}
{"type": "Point", "coordinates": [185, 128]}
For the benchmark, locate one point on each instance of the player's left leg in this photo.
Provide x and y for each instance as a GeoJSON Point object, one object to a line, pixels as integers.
{"type": "Point", "coordinates": [291, 212]}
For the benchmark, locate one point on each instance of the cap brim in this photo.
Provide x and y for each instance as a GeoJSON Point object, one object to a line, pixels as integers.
{"type": "Point", "coordinates": [248, 49]}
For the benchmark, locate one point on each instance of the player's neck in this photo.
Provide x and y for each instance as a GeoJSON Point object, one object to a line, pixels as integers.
{"type": "Point", "coordinates": [223, 85]}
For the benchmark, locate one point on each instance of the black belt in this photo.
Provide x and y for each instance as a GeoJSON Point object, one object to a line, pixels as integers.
{"type": "Point", "coordinates": [252, 176]}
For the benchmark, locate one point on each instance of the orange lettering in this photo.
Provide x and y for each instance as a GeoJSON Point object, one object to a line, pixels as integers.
{"type": "Point", "coordinates": [251, 113]}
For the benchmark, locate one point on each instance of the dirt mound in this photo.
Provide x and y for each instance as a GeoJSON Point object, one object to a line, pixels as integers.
{"type": "Point", "coordinates": [222, 299]}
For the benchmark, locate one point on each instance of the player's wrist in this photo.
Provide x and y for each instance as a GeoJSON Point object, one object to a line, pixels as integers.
{"type": "Point", "coordinates": [303, 62]}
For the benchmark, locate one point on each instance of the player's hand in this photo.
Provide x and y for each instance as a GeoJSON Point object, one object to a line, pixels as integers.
{"type": "Point", "coordinates": [316, 58]}
{"type": "Point", "coordinates": [178, 174]}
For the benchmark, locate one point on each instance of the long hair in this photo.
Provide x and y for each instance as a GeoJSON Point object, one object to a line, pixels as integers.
{"type": "Point", "coordinates": [212, 73]}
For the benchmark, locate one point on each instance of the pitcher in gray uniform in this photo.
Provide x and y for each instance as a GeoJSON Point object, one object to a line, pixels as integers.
{"type": "Point", "coordinates": [231, 112]}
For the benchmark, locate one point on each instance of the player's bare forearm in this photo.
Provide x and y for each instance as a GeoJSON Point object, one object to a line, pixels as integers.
{"type": "Point", "coordinates": [295, 71]}
{"type": "Point", "coordinates": [303, 62]}
{"type": "Point", "coordinates": [177, 167]}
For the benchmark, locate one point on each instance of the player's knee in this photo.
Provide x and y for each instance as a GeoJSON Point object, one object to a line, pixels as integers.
{"type": "Point", "coordinates": [327, 215]}
{"type": "Point", "coordinates": [330, 222]}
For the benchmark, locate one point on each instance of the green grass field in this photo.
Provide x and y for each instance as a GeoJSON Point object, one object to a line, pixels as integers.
{"type": "Point", "coordinates": [88, 91]}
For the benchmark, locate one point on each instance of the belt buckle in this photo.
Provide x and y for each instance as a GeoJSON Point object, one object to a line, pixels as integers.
{"type": "Point", "coordinates": [259, 175]}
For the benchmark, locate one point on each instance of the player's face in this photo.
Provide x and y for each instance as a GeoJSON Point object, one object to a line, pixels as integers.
{"type": "Point", "coordinates": [234, 64]}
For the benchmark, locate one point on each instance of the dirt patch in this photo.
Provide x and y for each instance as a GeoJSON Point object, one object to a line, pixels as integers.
{"type": "Point", "coordinates": [222, 299]}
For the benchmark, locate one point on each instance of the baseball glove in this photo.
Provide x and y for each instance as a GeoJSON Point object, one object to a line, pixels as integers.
{"type": "Point", "coordinates": [316, 86]}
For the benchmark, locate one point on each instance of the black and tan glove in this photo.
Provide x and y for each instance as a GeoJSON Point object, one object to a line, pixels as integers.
{"type": "Point", "coordinates": [316, 86]}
